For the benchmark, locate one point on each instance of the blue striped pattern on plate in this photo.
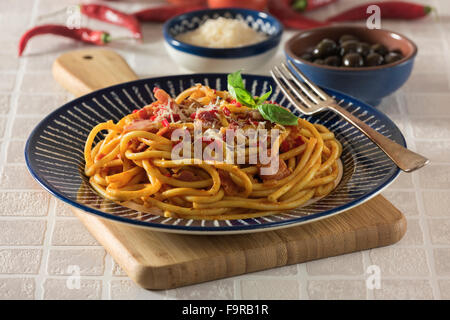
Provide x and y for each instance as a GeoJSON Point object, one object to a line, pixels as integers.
{"type": "Point", "coordinates": [54, 154]}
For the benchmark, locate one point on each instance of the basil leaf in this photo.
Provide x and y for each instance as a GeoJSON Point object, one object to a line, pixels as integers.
{"type": "Point", "coordinates": [235, 79]}
{"type": "Point", "coordinates": [231, 91]}
{"type": "Point", "coordinates": [244, 97]}
{"type": "Point", "coordinates": [264, 97]}
{"type": "Point", "coordinates": [277, 114]}
{"type": "Point", "coordinates": [237, 89]}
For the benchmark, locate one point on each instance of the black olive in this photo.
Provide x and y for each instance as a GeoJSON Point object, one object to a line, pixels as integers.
{"type": "Point", "coordinates": [317, 54]}
{"type": "Point", "coordinates": [380, 49]}
{"type": "Point", "coordinates": [334, 61]}
{"type": "Point", "coordinates": [349, 46]}
{"type": "Point", "coordinates": [350, 52]}
{"type": "Point", "coordinates": [325, 48]}
{"type": "Point", "coordinates": [352, 59]}
{"type": "Point", "coordinates": [307, 56]}
{"type": "Point", "coordinates": [347, 37]}
{"type": "Point", "coordinates": [374, 59]}
{"type": "Point", "coordinates": [392, 57]}
{"type": "Point", "coordinates": [319, 61]}
{"type": "Point", "coordinates": [363, 48]}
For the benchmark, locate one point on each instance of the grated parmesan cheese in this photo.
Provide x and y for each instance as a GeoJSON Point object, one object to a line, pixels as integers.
{"type": "Point", "coordinates": [222, 33]}
{"type": "Point", "coordinates": [167, 112]}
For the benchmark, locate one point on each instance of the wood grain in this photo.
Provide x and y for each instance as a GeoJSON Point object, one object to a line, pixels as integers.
{"type": "Point", "coordinates": [157, 260]}
{"type": "Point", "coordinates": [84, 71]}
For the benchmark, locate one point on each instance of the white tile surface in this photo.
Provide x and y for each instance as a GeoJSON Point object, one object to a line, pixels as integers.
{"type": "Point", "coordinates": [41, 241]}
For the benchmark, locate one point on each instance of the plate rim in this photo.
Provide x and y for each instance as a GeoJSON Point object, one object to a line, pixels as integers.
{"type": "Point", "coordinates": [199, 230]}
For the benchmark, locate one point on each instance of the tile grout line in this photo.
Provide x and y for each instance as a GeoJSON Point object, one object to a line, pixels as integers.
{"type": "Point", "coordinates": [424, 220]}
{"type": "Point", "coordinates": [7, 135]}
{"type": "Point", "coordinates": [302, 279]}
{"type": "Point", "coordinates": [367, 261]}
{"type": "Point", "coordinates": [446, 45]}
{"type": "Point", "coordinates": [422, 216]}
{"type": "Point", "coordinates": [107, 276]}
{"type": "Point", "coordinates": [42, 276]}
{"type": "Point", "coordinates": [237, 289]}
{"type": "Point", "coordinates": [423, 224]}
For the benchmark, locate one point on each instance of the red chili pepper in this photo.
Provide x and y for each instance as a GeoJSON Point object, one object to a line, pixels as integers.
{"type": "Point", "coordinates": [113, 16]}
{"type": "Point", "coordinates": [164, 13]}
{"type": "Point", "coordinates": [185, 2]}
{"type": "Point", "coordinates": [106, 14]}
{"type": "Point", "coordinates": [388, 10]}
{"type": "Point", "coordinates": [290, 18]}
{"type": "Point", "coordinates": [226, 111]}
{"type": "Point", "coordinates": [96, 37]}
{"type": "Point", "coordinates": [308, 5]}
{"type": "Point", "coordinates": [193, 115]}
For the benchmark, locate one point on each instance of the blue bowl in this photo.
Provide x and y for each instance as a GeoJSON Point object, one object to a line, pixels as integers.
{"type": "Point", "coordinates": [204, 59]}
{"type": "Point", "coordinates": [369, 84]}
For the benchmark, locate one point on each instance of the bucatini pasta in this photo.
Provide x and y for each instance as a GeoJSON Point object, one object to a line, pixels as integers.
{"type": "Point", "coordinates": [134, 160]}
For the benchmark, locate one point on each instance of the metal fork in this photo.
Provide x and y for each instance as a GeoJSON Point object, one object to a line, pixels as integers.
{"type": "Point", "coordinates": [310, 99]}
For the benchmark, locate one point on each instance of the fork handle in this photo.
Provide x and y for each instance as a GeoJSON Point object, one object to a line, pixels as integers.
{"type": "Point", "coordinates": [405, 159]}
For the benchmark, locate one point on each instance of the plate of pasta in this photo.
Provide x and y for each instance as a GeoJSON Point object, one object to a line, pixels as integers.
{"type": "Point", "coordinates": [208, 154]}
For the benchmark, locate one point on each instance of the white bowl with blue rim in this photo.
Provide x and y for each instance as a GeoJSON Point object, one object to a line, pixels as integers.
{"type": "Point", "coordinates": [204, 59]}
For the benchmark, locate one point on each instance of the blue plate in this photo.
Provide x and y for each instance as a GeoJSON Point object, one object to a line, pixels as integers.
{"type": "Point", "coordinates": [54, 155]}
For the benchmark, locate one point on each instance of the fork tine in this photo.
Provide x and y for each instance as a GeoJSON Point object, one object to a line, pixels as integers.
{"type": "Point", "coordinates": [288, 73]}
{"type": "Point", "coordinates": [300, 95]}
{"type": "Point", "coordinates": [315, 88]}
{"type": "Point", "coordinates": [288, 94]}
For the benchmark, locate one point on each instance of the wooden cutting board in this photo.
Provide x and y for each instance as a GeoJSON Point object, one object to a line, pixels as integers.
{"type": "Point", "coordinates": [158, 260]}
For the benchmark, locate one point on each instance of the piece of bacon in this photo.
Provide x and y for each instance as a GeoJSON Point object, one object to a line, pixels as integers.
{"type": "Point", "coordinates": [141, 125]}
{"type": "Point", "coordinates": [283, 171]}
{"type": "Point", "coordinates": [186, 175]}
{"type": "Point", "coordinates": [206, 116]}
{"type": "Point", "coordinates": [162, 96]}
{"type": "Point", "coordinates": [228, 185]}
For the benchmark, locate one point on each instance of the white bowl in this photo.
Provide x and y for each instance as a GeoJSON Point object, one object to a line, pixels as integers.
{"type": "Point", "coordinates": [203, 59]}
